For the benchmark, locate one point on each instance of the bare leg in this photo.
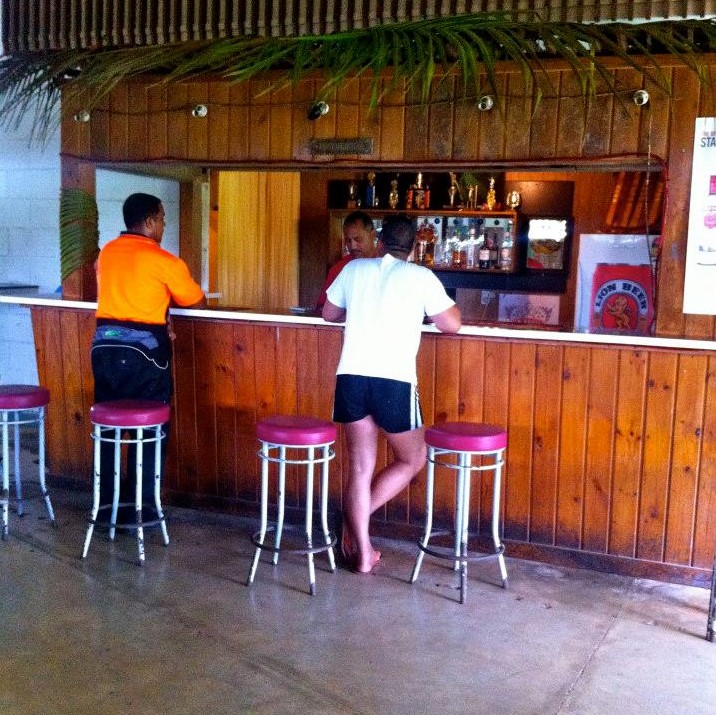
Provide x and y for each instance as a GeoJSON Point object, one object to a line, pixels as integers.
{"type": "Point", "coordinates": [362, 441]}
{"type": "Point", "coordinates": [409, 453]}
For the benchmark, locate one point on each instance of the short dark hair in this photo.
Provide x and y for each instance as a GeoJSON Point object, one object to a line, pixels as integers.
{"type": "Point", "coordinates": [358, 217]}
{"type": "Point", "coordinates": [139, 207]}
{"type": "Point", "coordinates": [398, 234]}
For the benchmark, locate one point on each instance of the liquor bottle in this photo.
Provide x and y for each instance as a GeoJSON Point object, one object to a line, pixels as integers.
{"type": "Point", "coordinates": [438, 251]}
{"type": "Point", "coordinates": [419, 192]}
{"type": "Point", "coordinates": [506, 252]}
{"type": "Point", "coordinates": [492, 245]}
{"type": "Point", "coordinates": [471, 248]}
{"type": "Point", "coordinates": [483, 253]}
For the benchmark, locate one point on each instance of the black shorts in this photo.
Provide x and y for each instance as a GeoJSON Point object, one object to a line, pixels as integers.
{"type": "Point", "coordinates": [394, 405]}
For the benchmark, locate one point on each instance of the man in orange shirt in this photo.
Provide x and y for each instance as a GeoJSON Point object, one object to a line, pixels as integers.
{"type": "Point", "coordinates": [361, 241]}
{"type": "Point", "coordinates": [137, 280]}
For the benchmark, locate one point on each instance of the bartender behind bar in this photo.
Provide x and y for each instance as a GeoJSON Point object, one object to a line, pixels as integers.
{"type": "Point", "coordinates": [360, 240]}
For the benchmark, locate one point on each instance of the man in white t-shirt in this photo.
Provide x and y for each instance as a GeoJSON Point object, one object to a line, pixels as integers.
{"type": "Point", "coordinates": [383, 302]}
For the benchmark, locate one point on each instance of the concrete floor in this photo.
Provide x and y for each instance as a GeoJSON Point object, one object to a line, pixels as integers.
{"type": "Point", "coordinates": [185, 635]}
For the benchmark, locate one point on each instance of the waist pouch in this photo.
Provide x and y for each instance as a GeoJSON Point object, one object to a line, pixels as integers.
{"type": "Point", "coordinates": [120, 335]}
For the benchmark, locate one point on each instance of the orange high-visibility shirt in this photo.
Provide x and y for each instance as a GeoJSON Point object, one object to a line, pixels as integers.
{"type": "Point", "coordinates": [137, 279]}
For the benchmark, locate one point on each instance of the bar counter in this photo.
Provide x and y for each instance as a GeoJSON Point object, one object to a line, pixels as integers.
{"type": "Point", "coordinates": [611, 458]}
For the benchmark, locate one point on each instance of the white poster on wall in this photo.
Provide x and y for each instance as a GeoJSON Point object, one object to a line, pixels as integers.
{"type": "Point", "coordinates": [699, 293]}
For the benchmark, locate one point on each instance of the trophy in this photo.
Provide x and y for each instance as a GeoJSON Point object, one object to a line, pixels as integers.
{"type": "Point", "coordinates": [491, 198]}
{"type": "Point", "coordinates": [393, 196]}
{"type": "Point", "coordinates": [513, 199]}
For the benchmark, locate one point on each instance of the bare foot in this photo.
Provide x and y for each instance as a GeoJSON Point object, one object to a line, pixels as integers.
{"type": "Point", "coordinates": [363, 565]}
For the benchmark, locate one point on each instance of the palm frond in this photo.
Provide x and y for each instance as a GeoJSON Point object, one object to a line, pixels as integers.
{"type": "Point", "coordinates": [79, 232]}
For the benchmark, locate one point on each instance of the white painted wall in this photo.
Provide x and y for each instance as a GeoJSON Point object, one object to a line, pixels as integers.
{"type": "Point", "coordinates": [29, 232]}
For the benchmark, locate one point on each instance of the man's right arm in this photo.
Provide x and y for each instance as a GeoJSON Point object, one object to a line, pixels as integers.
{"type": "Point", "coordinates": [332, 313]}
{"type": "Point", "coordinates": [449, 321]}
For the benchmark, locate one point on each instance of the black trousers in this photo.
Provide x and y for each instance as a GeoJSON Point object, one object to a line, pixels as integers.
{"type": "Point", "coordinates": [125, 370]}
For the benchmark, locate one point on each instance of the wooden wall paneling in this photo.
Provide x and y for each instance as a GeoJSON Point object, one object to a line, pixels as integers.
{"type": "Point", "coordinates": [304, 94]}
{"type": "Point", "coordinates": [157, 121]}
{"type": "Point", "coordinates": [99, 139]}
{"type": "Point", "coordinates": [137, 121]}
{"type": "Point", "coordinates": [685, 467]}
{"type": "Point", "coordinates": [77, 427]}
{"type": "Point", "coordinates": [190, 225]}
{"type": "Point", "coordinates": [183, 430]}
{"type": "Point", "coordinates": [415, 139]}
{"type": "Point", "coordinates": [496, 401]}
{"type": "Point", "coordinates": [425, 370]}
{"type": "Point", "coordinates": [218, 125]}
{"type": "Point", "coordinates": [259, 120]}
{"type": "Point", "coordinates": [315, 251]}
{"type": "Point", "coordinates": [571, 117]}
{"type": "Point", "coordinates": [518, 105]}
{"type": "Point", "coordinates": [598, 121]}
{"type": "Point", "coordinates": [658, 440]}
{"type": "Point", "coordinates": [282, 116]}
{"type": "Point", "coordinates": [279, 242]}
{"type": "Point", "coordinates": [545, 446]}
{"type": "Point", "coordinates": [492, 126]}
{"type": "Point", "coordinates": [472, 381]}
{"type": "Point", "coordinates": [240, 128]}
{"type": "Point", "coordinates": [246, 401]}
{"type": "Point", "coordinates": [240, 238]}
{"type": "Point", "coordinates": [392, 114]}
{"type": "Point", "coordinates": [119, 140]}
{"type": "Point", "coordinates": [705, 521]}
{"type": "Point", "coordinates": [178, 116]}
{"type": "Point", "coordinates": [369, 121]}
{"type": "Point", "coordinates": [626, 116]}
{"type": "Point", "coordinates": [656, 120]}
{"type": "Point", "coordinates": [440, 121]}
{"type": "Point", "coordinates": [628, 452]}
{"type": "Point", "coordinates": [669, 317]}
{"type": "Point", "coordinates": [45, 326]}
{"type": "Point", "coordinates": [348, 109]}
{"type": "Point", "coordinates": [544, 138]}
{"type": "Point", "coordinates": [603, 390]}
{"type": "Point", "coordinates": [75, 136]}
{"type": "Point", "coordinates": [516, 477]}
{"type": "Point", "coordinates": [209, 402]}
{"type": "Point", "coordinates": [572, 443]}
{"type": "Point", "coordinates": [466, 129]}
{"type": "Point", "coordinates": [197, 147]}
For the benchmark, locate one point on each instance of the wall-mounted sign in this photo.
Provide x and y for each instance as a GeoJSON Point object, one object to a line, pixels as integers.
{"type": "Point", "coordinates": [699, 295]}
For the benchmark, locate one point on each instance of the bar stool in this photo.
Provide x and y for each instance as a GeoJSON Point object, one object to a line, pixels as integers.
{"type": "Point", "coordinates": [111, 420]}
{"type": "Point", "coordinates": [22, 405]}
{"type": "Point", "coordinates": [312, 438]}
{"type": "Point", "coordinates": [453, 445]}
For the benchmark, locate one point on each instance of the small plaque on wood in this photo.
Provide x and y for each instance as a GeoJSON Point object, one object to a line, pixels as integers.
{"type": "Point", "coordinates": [355, 145]}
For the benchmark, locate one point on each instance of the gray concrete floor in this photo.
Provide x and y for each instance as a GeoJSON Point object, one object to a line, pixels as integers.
{"type": "Point", "coordinates": [184, 634]}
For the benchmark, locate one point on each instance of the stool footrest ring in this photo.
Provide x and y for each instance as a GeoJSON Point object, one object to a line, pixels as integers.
{"type": "Point", "coordinates": [322, 547]}
{"type": "Point", "coordinates": [126, 525]}
{"type": "Point", "coordinates": [448, 552]}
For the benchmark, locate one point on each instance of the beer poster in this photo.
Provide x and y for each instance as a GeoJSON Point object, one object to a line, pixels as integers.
{"type": "Point", "coordinates": [699, 295]}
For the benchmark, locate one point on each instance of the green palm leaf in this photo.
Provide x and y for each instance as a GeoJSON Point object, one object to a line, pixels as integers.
{"type": "Point", "coordinates": [79, 233]}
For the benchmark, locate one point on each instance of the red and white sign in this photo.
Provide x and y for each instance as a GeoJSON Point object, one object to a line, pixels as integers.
{"type": "Point", "coordinates": [622, 299]}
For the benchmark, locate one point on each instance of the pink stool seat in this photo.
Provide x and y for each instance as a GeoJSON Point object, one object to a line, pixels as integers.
{"type": "Point", "coordinates": [466, 437]}
{"type": "Point", "coordinates": [130, 413]}
{"type": "Point", "coordinates": [23, 397]}
{"type": "Point", "coordinates": [296, 431]}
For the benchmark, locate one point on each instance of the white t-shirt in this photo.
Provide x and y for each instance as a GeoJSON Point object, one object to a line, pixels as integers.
{"type": "Point", "coordinates": [386, 300]}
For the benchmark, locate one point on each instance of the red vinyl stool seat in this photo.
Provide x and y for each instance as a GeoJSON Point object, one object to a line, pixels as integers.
{"type": "Point", "coordinates": [295, 440]}
{"type": "Point", "coordinates": [453, 445]}
{"type": "Point", "coordinates": [112, 420]}
{"type": "Point", "coordinates": [22, 405]}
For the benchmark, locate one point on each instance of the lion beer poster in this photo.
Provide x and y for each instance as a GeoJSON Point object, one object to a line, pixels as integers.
{"type": "Point", "coordinates": [622, 299]}
{"type": "Point", "coordinates": [699, 294]}
{"type": "Point", "coordinates": [615, 291]}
